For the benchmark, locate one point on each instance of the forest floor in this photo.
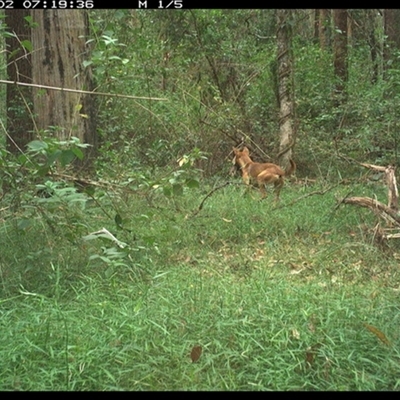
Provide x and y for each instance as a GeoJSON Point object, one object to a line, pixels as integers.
{"type": "Point", "coordinates": [240, 295]}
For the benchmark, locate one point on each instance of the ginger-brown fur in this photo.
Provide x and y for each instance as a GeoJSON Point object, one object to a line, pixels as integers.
{"type": "Point", "coordinates": [261, 173]}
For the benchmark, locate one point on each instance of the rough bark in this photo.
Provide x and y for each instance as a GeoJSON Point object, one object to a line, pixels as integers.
{"type": "Point", "coordinates": [285, 87]}
{"type": "Point", "coordinates": [391, 26]}
{"type": "Point", "coordinates": [373, 43]}
{"type": "Point", "coordinates": [391, 21]}
{"type": "Point", "coordinates": [340, 53]}
{"type": "Point", "coordinates": [60, 48]}
{"type": "Point", "coordinates": [322, 27]}
{"type": "Point", "coordinates": [315, 21]}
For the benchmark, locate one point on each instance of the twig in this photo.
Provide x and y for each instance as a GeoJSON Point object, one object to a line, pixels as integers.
{"type": "Point", "coordinates": [83, 181]}
{"type": "Point", "coordinates": [320, 192]}
{"type": "Point", "coordinates": [342, 201]}
{"type": "Point", "coordinates": [82, 91]}
{"type": "Point", "coordinates": [208, 195]}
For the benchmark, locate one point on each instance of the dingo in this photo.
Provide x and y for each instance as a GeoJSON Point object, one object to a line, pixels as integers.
{"type": "Point", "coordinates": [261, 173]}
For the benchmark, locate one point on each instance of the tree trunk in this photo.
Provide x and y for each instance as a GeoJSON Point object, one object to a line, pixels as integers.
{"type": "Point", "coordinates": [59, 51]}
{"type": "Point", "coordinates": [285, 86]}
{"type": "Point", "coordinates": [316, 24]}
{"type": "Point", "coordinates": [373, 43]}
{"type": "Point", "coordinates": [391, 20]}
{"type": "Point", "coordinates": [392, 29]}
{"type": "Point", "coordinates": [323, 19]}
{"type": "Point", "coordinates": [349, 30]}
{"type": "Point", "coordinates": [340, 53]}
{"type": "Point", "coordinates": [19, 69]}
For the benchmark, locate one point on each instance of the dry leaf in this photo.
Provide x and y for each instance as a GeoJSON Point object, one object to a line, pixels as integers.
{"type": "Point", "coordinates": [312, 323]}
{"type": "Point", "coordinates": [327, 367]}
{"type": "Point", "coordinates": [295, 333]}
{"type": "Point", "coordinates": [294, 272]}
{"type": "Point", "coordinates": [381, 336]}
{"type": "Point", "coordinates": [310, 353]}
{"type": "Point", "coordinates": [195, 353]}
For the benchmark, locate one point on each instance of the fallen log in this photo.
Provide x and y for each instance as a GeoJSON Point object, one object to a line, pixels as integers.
{"type": "Point", "coordinates": [390, 178]}
{"type": "Point", "coordinates": [388, 214]}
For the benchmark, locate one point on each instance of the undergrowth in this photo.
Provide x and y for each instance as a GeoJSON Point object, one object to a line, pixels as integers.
{"type": "Point", "coordinates": [295, 296]}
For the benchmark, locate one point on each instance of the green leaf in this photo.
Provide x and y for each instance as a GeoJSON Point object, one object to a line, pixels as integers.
{"type": "Point", "coordinates": [22, 158]}
{"type": "Point", "coordinates": [31, 22]}
{"type": "Point", "coordinates": [177, 189]}
{"type": "Point", "coordinates": [108, 40]}
{"type": "Point", "coordinates": [118, 220]}
{"type": "Point", "coordinates": [53, 157]}
{"type": "Point", "coordinates": [101, 70]}
{"type": "Point", "coordinates": [167, 191]}
{"type": "Point", "coordinates": [109, 271]}
{"type": "Point", "coordinates": [37, 145]}
{"type": "Point", "coordinates": [42, 171]}
{"type": "Point", "coordinates": [27, 44]}
{"type": "Point", "coordinates": [86, 63]}
{"type": "Point", "coordinates": [66, 157]}
{"type": "Point", "coordinates": [8, 34]}
{"type": "Point", "coordinates": [192, 183]}
{"type": "Point", "coordinates": [78, 153]}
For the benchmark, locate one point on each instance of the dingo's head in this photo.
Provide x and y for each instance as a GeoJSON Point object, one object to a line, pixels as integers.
{"type": "Point", "coordinates": [241, 157]}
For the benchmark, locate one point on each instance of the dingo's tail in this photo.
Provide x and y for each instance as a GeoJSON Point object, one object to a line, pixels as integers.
{"type": "Point", "coordinates": [291, 169]}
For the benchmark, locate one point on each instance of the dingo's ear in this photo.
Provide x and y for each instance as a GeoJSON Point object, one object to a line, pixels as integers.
{"type": "Point", "coordinates": [245, 150]}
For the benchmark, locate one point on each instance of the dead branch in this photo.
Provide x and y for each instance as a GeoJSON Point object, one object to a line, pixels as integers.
{"type": "Point", "coordinates": [80, 181]}
{"type": "Point", "coordinates": [81, 91]}
{"type": "Point", "coordinates": [393, 193]}
{"type": "Point", "coordinates": [389, 213]}
{"type": "Point", "coordinates": [351, 160]}
{"type": "Point", "coordinates": [392, 236]}
{"type": "Point", "coordinates": [376, 206]}
{"type": "Point", "coordinates": [208, 195]}
{"type": "Point", "coordinates": [373, 167]}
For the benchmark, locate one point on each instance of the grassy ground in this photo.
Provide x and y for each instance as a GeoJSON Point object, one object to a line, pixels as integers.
{"type": "Point", "coordinates": [294, 297]}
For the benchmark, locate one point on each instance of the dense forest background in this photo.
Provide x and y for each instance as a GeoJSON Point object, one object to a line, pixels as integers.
{"type": "Point", "coordinates": [217, 73]}
{"type": "Point", "coordinates": [218, 69]}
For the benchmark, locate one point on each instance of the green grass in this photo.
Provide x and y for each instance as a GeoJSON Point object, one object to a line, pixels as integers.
{"type": "Point", "coordinates": [277, 297]}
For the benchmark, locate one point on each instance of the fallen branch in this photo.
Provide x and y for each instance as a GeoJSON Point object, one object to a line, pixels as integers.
{"type": "Point", "coordinates": [389, 213]}
{"type": "Point", "coordinates": [392, 236]}
{"type": "Point", "coordinates": [376, 206]}
{"type": "Point", "coordinates": [84, 181]}
{"type": "Point", "coordinates": [373, 167]}
{"type": "Point", "coordinates": [390, 178]}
